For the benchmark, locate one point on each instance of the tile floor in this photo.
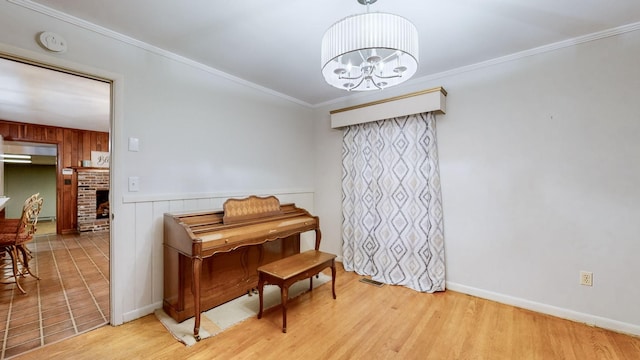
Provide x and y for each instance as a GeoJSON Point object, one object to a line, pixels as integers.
{"type": "Point", "coordinates": [71, 297]}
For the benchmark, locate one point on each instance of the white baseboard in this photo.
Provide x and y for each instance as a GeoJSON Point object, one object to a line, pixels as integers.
{"type": "Point", "coordinates": [138, 313]}
{"type": "Point", "coordinates": [588, 319]}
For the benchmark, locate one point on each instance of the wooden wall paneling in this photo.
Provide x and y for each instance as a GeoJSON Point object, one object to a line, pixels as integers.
{"type": "Point", "coordinates": [7, 131]}
{"type": "Point", "coordinates": [74, 141]}
{"type": "Point", "coordinates": [37, 132]}
{"type": "Point", "coordinates": [102, 143]}
{"type": "Point", "coordinates": [98, 142]}
{"type": "Point", "coordinates": [86, 143]}
{"type": "Point", "coordinates": [59, 186]}
{"type": "Point", "coordinates": [26, 132]}
{"type": "Point", "coordinates": [56, 134]}
{"type": "Point", "coordinates": [4, 129]}
{"type": "Point", "coordinates": [93, 144]}
{"type": "Point", "coordinates": [51, 134]}
{"type": "Point", "coordinates": [64, 220]}
{"type": "Point", "coordinates": [20, 133]}
{"type": "Point", "coordinates": [77, 147]}
{"type": "Point", "coordinates": [30, 132]}
{"type": "Point", "coordinates": [66, 150]}
{"type": "Point", "coordinates": [68, 224]}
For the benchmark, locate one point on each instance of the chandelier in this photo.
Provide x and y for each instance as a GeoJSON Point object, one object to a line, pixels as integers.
{"type": "Point", "coordinates": [369, 51]}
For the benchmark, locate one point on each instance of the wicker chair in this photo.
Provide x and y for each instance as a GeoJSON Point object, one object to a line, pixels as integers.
{"type": "Point", "coordinates": [14, 235]}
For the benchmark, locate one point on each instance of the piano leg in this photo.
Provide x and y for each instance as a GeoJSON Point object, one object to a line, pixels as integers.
{"type": "Point", "coordinates": [197, 269]}
{"type": "Point", "coordinates": [260, 294]}
{"type": "Point", "coordinates": [284, 293]}
{"type": "Point", "coordinates": [333, 277]}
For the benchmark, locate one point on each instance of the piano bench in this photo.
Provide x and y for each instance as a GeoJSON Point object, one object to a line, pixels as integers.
{"type": "Point", "coordinates": [287, 271]}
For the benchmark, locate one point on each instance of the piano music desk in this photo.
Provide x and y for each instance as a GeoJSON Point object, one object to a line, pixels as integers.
{"type": "Point", "coordinates": [287, 271]}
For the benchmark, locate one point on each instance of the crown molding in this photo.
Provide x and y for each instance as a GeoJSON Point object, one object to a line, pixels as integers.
{"type": "Point", "coordinates": [515, 56]}
{"type": "Point", "coordinates": [537, 50]}
{"type": "Point", "coordinates": [144, 46]}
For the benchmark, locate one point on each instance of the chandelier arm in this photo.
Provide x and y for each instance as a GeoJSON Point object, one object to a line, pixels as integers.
{"type": "Point", "coordinates": [387, 77]}
{"type": "Point", "coordinates": [349, 78]}
{"type": "Point", "coordinates": [375, 84]}
{"type": "Point", "coordinates": [357, 85]}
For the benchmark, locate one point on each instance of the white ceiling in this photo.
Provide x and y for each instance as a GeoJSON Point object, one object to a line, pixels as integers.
{"type": "Point", "coordinates": [32, 94]}
{"type": "Point", "coordinates": [276, 43]}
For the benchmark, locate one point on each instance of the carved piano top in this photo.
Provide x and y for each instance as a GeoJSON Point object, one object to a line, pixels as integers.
{"type": "Point", "coordinates": [250, 221]}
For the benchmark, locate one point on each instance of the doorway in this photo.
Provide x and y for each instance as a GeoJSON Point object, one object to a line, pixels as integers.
{"type": "Point", "coordinates": [30, 168]}
{"type": "Point", "coordinates": [66, 113]}
{"type": "Point", "coordinates": [40, 104]}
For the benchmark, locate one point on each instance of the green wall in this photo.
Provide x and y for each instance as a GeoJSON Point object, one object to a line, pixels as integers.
{"type": "Point", "coordinates": [24, 180]}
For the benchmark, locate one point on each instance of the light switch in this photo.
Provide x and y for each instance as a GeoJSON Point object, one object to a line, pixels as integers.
{"type": "Point", "coordinates": [134, 144]}
{"type": "Point", "coordinates": [134, 183]}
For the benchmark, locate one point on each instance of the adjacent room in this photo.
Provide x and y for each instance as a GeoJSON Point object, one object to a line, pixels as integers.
{"type": "Point", "coordinates": [62, 289]}
{"type": "Point", "coordinates": [334, 180]}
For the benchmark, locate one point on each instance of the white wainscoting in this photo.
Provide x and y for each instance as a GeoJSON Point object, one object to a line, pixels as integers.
{"type": "Point", "coordinates": [144, 241]}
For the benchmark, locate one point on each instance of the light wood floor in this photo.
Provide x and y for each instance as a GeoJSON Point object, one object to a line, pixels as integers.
{"type": "Point", "coordinates": [365, 322]}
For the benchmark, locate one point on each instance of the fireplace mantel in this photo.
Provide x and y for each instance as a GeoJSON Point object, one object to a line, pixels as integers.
{"type": "Point", "coordinates": [86, 168]}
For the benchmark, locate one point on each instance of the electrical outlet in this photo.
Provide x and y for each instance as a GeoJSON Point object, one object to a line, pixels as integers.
{"type": "Point", "coordinates": [586, 278]}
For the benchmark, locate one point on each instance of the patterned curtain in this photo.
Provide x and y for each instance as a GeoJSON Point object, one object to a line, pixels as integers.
{"type": "Point", "coordinates": [392, 209]}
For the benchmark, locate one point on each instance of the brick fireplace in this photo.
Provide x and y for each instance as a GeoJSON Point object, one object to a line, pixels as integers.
{"type": "Point", "coordinates": [93, 199]}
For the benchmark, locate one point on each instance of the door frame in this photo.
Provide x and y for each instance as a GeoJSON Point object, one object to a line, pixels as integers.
{"type": "Point", "coordinates": [116, 276]}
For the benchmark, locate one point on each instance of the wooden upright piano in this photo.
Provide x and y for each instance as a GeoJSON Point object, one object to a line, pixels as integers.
{"type": "Point", "coordinates": [212, 257]}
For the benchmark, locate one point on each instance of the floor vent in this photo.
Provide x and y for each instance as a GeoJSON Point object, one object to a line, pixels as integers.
{"type": "Point", "coordinates": [371, 282]}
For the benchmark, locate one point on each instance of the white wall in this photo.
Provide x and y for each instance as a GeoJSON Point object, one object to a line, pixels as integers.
{"type": "Point", "coordinates": [203, 138]}
{"type": "Point", "coordinates": [540, 168]}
